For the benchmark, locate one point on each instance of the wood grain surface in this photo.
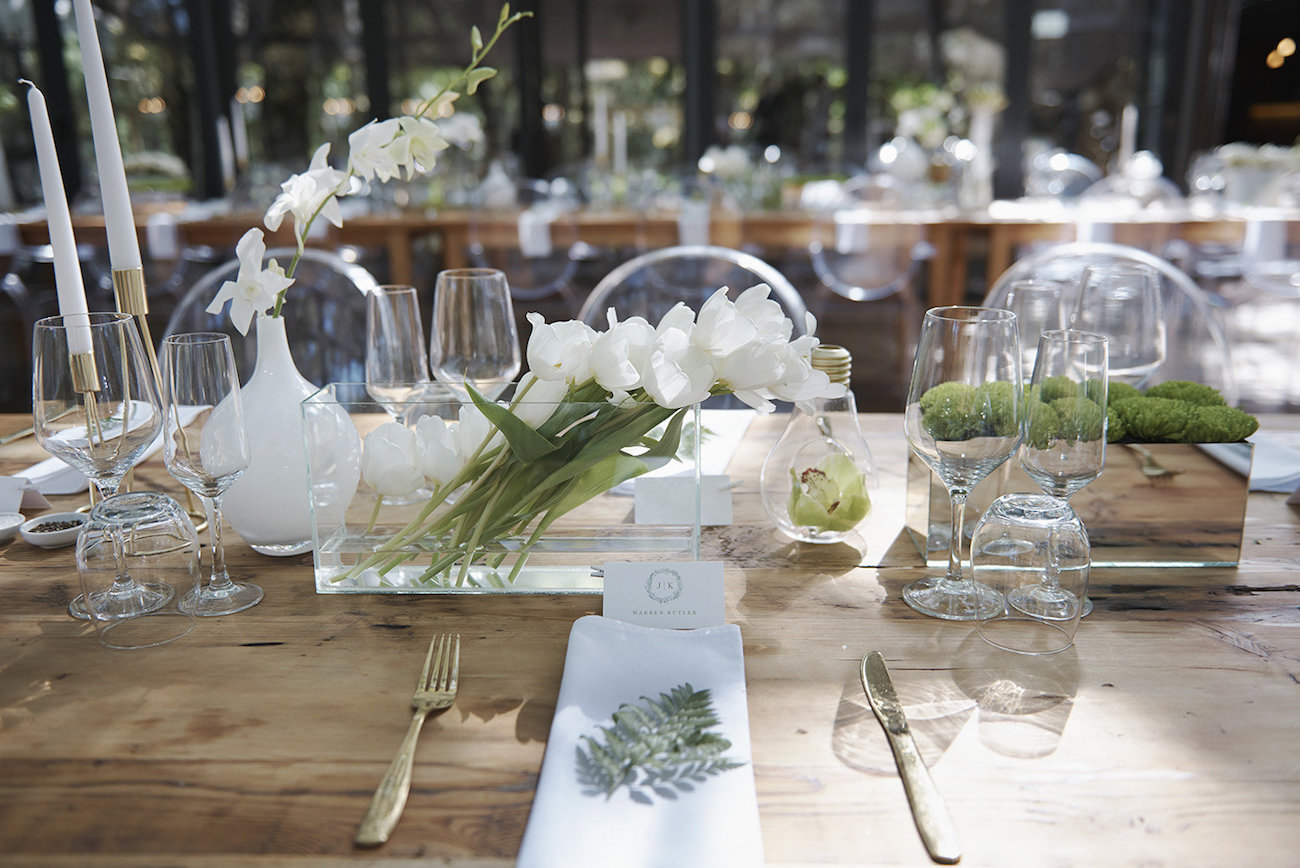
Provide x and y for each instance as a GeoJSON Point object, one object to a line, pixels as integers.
{"type": "Point", "coordinates": [1166, 736]}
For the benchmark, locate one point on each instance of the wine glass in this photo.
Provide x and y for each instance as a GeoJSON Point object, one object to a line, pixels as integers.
{"type": "Point", "coordinates": [1122, 302]}
{"type": "Point", "coordinates": [473, 338]}
{"type": "Point", "coordinates": [397, 365]}
{"type": "Point", "coordinates": [1064, 445]}
{"type": "Point", "coordinates": [963, 420]}
{"type": "Point", "coordinates": [95, 405]}
{"type": "Point", "coordinates": [1037, 305]}
{"type": "Point", "coordinates": [206, 448]}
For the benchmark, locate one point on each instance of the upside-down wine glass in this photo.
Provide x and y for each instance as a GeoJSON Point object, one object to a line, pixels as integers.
{"type": "Point", "coordinates": [206, 449]}
{"type": "Point", "coordinates": [963, 420]}
{"type": "Point", "coordinates": [95, 405]}
{"type": "Point", "coordinates": [1064, 444]}
{"type": "Point", "coordinates": [1122, 302]}
{"type": "Point", "coordinates": [473, 338]}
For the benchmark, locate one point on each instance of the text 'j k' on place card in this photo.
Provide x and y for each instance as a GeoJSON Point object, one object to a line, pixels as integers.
{"type": "Point", "coordinates": [666, 594]}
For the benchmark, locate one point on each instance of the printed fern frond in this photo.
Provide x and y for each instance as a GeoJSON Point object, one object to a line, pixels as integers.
{"type": "Point", "coordinates": [657, 746]}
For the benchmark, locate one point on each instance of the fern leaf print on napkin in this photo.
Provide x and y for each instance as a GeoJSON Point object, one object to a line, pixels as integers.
{"type": "Point", "coordinates": [657, 746]}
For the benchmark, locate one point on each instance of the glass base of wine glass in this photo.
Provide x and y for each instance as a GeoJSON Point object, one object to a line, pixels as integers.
{"type": "Point", "coordinates": [1041, 601]}
{"type": "Point", "coordinates": [940, 597]}
{"type": "Point", "coordinates": [1087, 608]}
{"type": "Point", "coordinates": [146, 597]}
{"type": "Point", "coordinates": [211, 602]}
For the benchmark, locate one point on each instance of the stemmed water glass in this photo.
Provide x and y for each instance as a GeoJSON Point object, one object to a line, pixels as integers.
{"type": "Point", "coordinates": [963, 420]}
{"type": "Point", "coordinates": [1122, 302]}
{"type": "Point", "coordinates": [95, 405]}
{"type": "Point", "coordinates": [1036, 302]}
{"type": "Point", "coordinates": [473, 338]}
{"type": "Point", "coordinates": [1064, 444]}
{"type": "Point", "coordinates": [205, 447]}
{"type": "Point", "coordinates": [397, 364]}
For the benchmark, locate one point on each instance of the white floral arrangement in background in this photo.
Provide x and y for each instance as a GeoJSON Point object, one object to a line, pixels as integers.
{"type": "Point", "coordinates": [594, 410]}
{"type": "Point", "coordinates": [379, 151]}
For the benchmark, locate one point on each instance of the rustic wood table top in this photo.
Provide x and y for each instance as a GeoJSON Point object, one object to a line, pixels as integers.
{"type": "Point", "coordinates": [1166, 736]}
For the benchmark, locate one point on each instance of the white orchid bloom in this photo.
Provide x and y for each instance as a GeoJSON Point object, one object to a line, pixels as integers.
{"type": "Point", "coordinates": [302, 195]}
{"type": "Point", "coordinates": [390, 462]}
{"type": "Point", "coordinates": [369, 151]}
{"type": "Point", "coordinates": [254, 289]}
{"type": "Point", "coordinates": [720, 328]}
{"type": "Point", "coordinates": [678, 373]}
{"type": "Point", "coordinates": [423, 141]}
{"type": "Point", "coordinates": [620, 353]}
{"type": "Point", "coordinates": [439, 459]}
{"type": "Point", "coordinates": [765, 314]}
{"type": "Point", "coordinates": [560, 351]}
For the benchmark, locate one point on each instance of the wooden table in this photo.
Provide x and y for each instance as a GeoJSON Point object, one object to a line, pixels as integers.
{"type": "Point", "coordinates": [1167, 736]}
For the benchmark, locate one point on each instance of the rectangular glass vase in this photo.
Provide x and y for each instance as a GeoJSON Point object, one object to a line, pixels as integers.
{"type": "Point", "coordinates": [365, 543]}
{"type": "Point", "coordinates": [1192, 516]}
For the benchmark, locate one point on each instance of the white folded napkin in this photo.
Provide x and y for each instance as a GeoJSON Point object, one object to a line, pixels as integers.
{"type": "Point", "coordinates": [55, 476]}
{"type": "Point", "coordinates": [709, 818]}
{"type": "Point", "coordinates": [693, 222]}
{"type": "Point", "coordinates": [535, 231]}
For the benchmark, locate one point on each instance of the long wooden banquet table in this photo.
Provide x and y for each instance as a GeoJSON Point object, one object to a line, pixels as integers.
{"type": "Point", "coordinates": [1166, 736]}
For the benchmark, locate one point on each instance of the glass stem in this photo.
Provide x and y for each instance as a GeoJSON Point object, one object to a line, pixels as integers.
{"type": "Point", "coordinates": [220, 579]}
{"type": "Point", "coordinates": [958, 526]}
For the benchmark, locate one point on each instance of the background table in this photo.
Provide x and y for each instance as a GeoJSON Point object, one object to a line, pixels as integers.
{"type": "Point", "coordinates": [1166, 736]}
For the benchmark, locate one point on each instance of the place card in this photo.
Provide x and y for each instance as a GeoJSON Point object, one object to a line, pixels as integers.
{"type": "Point", "coordinates": [17, 493]}
{"type": "Point", "coordinates": [678, 594]}
{"type": "Point", "coordinates": [671, 500]}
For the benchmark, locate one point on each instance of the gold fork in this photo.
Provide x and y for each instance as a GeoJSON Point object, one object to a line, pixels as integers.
{"type": "Point", "coordinates": [1152, 468]}
{"type": "Point", "coordinates": [436, 690]}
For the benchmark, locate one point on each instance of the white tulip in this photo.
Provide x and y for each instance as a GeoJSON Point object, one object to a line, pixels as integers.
{"type": "Point", "coordinates": [620, 353]}
{"type": "Point", "coordinates": [439, 459]}
{"type": "Point", "coordinates": [539, 399]}
{"type": "Point", "coordinates": [720, 328]}
{"type": "Point", "coordinates": [474, 431]}
{"type": "Point", "coordinates": [678, 373]}
{"type": "Point", "coordinates": [799, 380]}
{"type": "Point", "coordinates": [750, 372]}
{"type": "Point", "coordinates": [560, 351]}
{"type": "Point", "coordinates": [764, 314]}
{"type": "Point", "coordinates": [679, 317]}
{"type": "Point", "coordinates": [391, 461]}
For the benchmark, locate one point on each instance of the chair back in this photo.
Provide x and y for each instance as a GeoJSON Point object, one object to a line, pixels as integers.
{"type": "Point", "coordinates": [653, 282]}
{"type": "Point", "coordinates": [1197, 348]}
{"type": "Point", "coordinates": [325, 316]}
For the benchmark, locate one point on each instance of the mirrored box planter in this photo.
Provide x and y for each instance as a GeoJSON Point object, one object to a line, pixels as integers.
{"type": "Point", "coordinates": [1191, 517]}
{"type": "Point", "coordinates": [357, 547]}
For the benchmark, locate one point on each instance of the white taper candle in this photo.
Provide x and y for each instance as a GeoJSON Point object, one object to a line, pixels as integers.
{"type": "Point", "coordinates": [67, 270]}
{"type": "Point", "coordinates": [119, 222]}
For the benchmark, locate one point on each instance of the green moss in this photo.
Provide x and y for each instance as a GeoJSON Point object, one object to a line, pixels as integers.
{"type": "Point", "coordinates": [1185, 390]}
{"type": "Point", "coordinates": [1080, 419]}
{"type": "Point", "coordinates": [1155, 420]}
{"type": "Point", "coordinates": [1117, 391]}
{"type": "Point", "coordinates": [999, 408]}
{"type": "Point", "coordinates": [1041, 424]}
{"type": "Point", "coordinates": [1058, 387]}
{"type": "Point", "coordinates": [1219, 424]}
{"type": "Point", "coordinates": [1115, 430]}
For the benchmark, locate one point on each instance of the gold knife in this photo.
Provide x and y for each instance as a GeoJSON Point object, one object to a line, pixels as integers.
{"type": "Point", "coordinates": [932, 819]}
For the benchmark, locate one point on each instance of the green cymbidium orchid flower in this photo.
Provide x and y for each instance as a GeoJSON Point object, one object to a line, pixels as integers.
{"type": "Point", "coordinates": [832, 495]}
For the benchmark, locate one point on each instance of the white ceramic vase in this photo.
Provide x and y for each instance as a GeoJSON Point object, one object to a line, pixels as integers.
{"type": "Point", "coordinates": [269, 504]}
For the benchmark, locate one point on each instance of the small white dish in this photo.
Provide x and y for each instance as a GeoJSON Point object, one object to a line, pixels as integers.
{"type": "Point", "coordinates": [9, 522]}
{"type": "Point", "coordinates": [64, 530]}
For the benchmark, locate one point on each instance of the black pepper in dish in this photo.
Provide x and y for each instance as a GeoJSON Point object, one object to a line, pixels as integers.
{"type": "Point", "coordinates": [52, 526]}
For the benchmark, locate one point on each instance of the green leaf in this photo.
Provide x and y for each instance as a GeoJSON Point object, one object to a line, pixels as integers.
{"type": "Point", "coordinates": [525, 443]}
{"type": "Point", "coordinates": [671, 440]}
{"type": "Point", "coordinates": [476, 39]}
{"type": "Point", "coordinates": [477, 77]}
{"type": "Point", "coordinates": [597, 479]}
